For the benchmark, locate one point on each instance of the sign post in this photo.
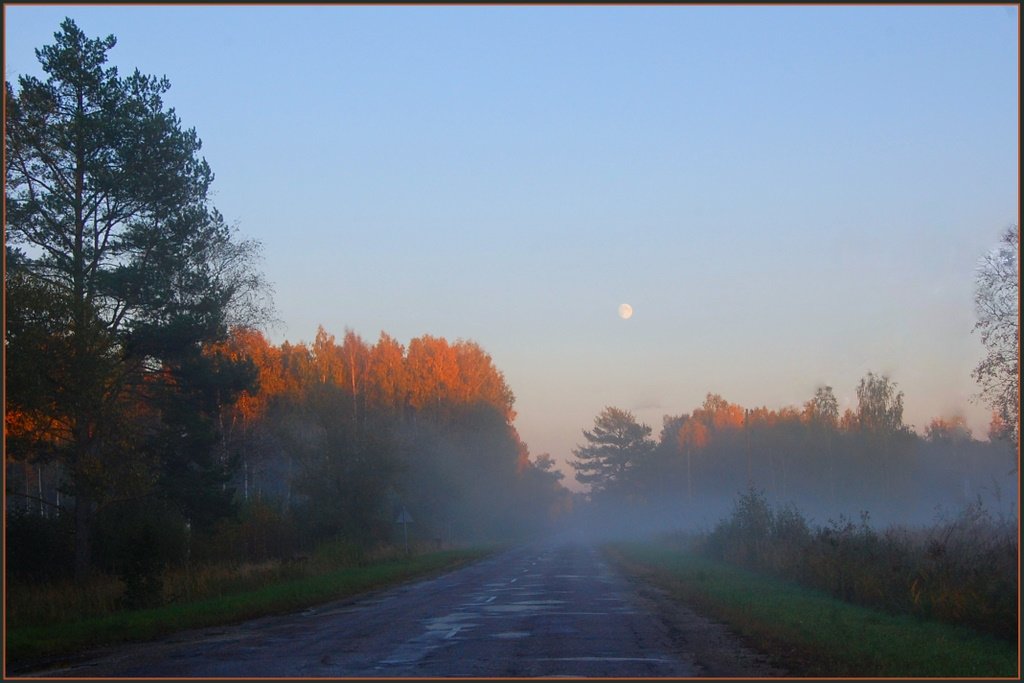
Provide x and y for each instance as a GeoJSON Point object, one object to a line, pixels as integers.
{"type": "Point", "coordinates": [404, 519]}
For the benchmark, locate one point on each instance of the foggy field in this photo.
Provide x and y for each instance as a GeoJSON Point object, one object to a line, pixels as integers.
{"type": "Point", "coordinates": [811, 633]}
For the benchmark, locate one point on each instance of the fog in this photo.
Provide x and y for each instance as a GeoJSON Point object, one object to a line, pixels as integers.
{"type": "Point", "coordinates": [865, 467]}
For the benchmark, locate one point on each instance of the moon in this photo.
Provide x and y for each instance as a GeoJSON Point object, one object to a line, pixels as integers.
{"type": "Point", "coordinates": [625, 311]}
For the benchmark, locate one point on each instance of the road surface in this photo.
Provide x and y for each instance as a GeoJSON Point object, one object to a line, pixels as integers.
{"type": "Point", "coordinates": [543, 610]}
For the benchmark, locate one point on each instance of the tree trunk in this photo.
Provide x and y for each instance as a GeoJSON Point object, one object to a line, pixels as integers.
{"type": "Point", "coordinates": [39, 479]}
{"type": "Point", "coordinates": [82, 362]}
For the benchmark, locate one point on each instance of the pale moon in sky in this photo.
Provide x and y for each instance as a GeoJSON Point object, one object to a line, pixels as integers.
{"type": "Point", "coordinates": [625, 311]}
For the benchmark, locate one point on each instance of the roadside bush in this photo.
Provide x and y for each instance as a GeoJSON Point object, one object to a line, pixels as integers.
{"type": "Point", "coordinates": [743, 537]}
{"type": "Point", "coordinates": [967, 572]}
{"type": "Point", "coordinates": [267, 532]}
{"type": "Point", "coordinates": [261, 531]}
{"type": "Point", "coordinates": [842, 559]}
{"type": "Point", "coordinates": [962, 570]}
{"type": "Point", "coordinates": [790, 537]}
{"type": "Point", "coordinates": [759, 537]}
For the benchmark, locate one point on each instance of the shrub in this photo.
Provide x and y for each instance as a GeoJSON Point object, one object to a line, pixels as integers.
{"type": "Point", "coordinates": [961, 570]}
{"type": "Point", "coordinates": [757, 536]}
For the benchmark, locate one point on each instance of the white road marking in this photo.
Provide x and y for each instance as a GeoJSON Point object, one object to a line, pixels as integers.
{"type": "Point", "coordinates": [510, 635]}
{"type": "Point", "coordinates": [603, 659]}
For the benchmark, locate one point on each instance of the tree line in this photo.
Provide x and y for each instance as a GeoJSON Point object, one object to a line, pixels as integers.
{"type": "Point", "coordinates": [328, 441]}
{"type": "Point", "coordinates": [866, 458]}
{"type": "Point", "coordinates": [349, 433]}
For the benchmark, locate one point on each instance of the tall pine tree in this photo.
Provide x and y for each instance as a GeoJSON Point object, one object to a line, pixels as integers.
{"type": "Point", "coordinates": [129, 270]}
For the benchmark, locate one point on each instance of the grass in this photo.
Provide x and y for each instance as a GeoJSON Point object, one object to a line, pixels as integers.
{"type": "Point", "coordinates": [811, 633]}
{"type": "Point", "coordinates": [28, 645]}
{"type": "Point", "coordinates": [962, 570]}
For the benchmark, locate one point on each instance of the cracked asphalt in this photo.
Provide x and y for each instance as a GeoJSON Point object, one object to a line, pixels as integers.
{"type": "Point", "coordinates": [541, 610]}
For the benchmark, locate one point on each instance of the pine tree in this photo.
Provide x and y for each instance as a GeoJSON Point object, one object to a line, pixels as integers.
{"type": "Point", "coordinates": [128, 268]}
{"type": "Point", "coordinates": [613, 448]}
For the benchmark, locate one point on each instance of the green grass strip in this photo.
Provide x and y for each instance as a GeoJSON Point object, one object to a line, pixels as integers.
{"type": "Point", "coordinates": [811, 633]}
{"type": "Point", "coordinates": [28, 644]}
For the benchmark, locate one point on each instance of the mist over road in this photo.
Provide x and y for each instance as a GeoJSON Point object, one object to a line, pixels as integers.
{"type": "Point", "coordinates": [542, 610]}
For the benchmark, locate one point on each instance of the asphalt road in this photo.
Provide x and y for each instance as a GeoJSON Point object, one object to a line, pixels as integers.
{"type": "Point", "coordinates": [545, 610]}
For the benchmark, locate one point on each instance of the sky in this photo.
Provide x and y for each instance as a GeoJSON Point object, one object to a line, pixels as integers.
{"type": "Point", "coordinates": [788, 196]}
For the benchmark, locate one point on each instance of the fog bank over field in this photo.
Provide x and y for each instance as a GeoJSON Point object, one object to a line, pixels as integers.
{"type": "Point", "coordinates": [829, 467]}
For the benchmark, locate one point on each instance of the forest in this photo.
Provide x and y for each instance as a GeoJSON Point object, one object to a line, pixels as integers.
{"type": "Point", "coordinates": [829, 465]}
{"type": "Point", "coordinates": [331, 441]}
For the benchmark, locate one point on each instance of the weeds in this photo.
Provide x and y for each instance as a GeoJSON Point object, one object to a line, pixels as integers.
{"type": "Point", "coordinates": [962, 570]}
{"type": "Point", "coordinates": [810, 633]}
{"type": "Point", "coordinates": [63, 601]}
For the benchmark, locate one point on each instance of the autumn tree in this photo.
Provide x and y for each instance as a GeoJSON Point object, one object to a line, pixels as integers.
{"type": "Point", "coordinates": [880, 426]}
{"type": "Point", "coordinates": [439, 375]}
{"type": "Point", "coordinates": [432, 371]}
{"type": "Point", "coordinates": [823, 409]}
{"type": "Point", "coordinates": [327, 358]}
{"type": "Point", "coordinates": [614, 447]}
{"type": "Point", "coordinates": [997, 303]}
{"type": "Point", "coordinates": [950, 429]}
{"type": "Point", "coordinates": [246, 426]}
{"type": "Point", "coordinates": [715, 435]}
{"type": "Point", "coordinates": [354, 358]}
{"type": "Point", "coordinates": [692, 436]}
{"type": "Point", "coordinates": [480, 381]}
{"type": "Point", "coordinates": [879, 404]}
{"type": "Point", "coordinates": [386, 377]}
{"type": "Point", "coordinates": [116, 247]}
{"type": "Point", "coordinates": [721, 415]}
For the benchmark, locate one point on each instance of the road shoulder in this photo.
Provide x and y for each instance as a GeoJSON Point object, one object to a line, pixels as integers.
{"type": "Point", "coordinates": [714, 648]}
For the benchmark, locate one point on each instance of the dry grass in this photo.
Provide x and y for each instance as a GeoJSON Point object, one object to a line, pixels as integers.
{"type": "Point", "coordinates": [50, 603]}
{"type": "Point", "coordinates": [32, 645]}
{"type": "Point", "coordinates": [54, 602]}
{"type": "Point", "coordinates": [962, 570]}
{"type": "Point", "coordinates": [811, 633]}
